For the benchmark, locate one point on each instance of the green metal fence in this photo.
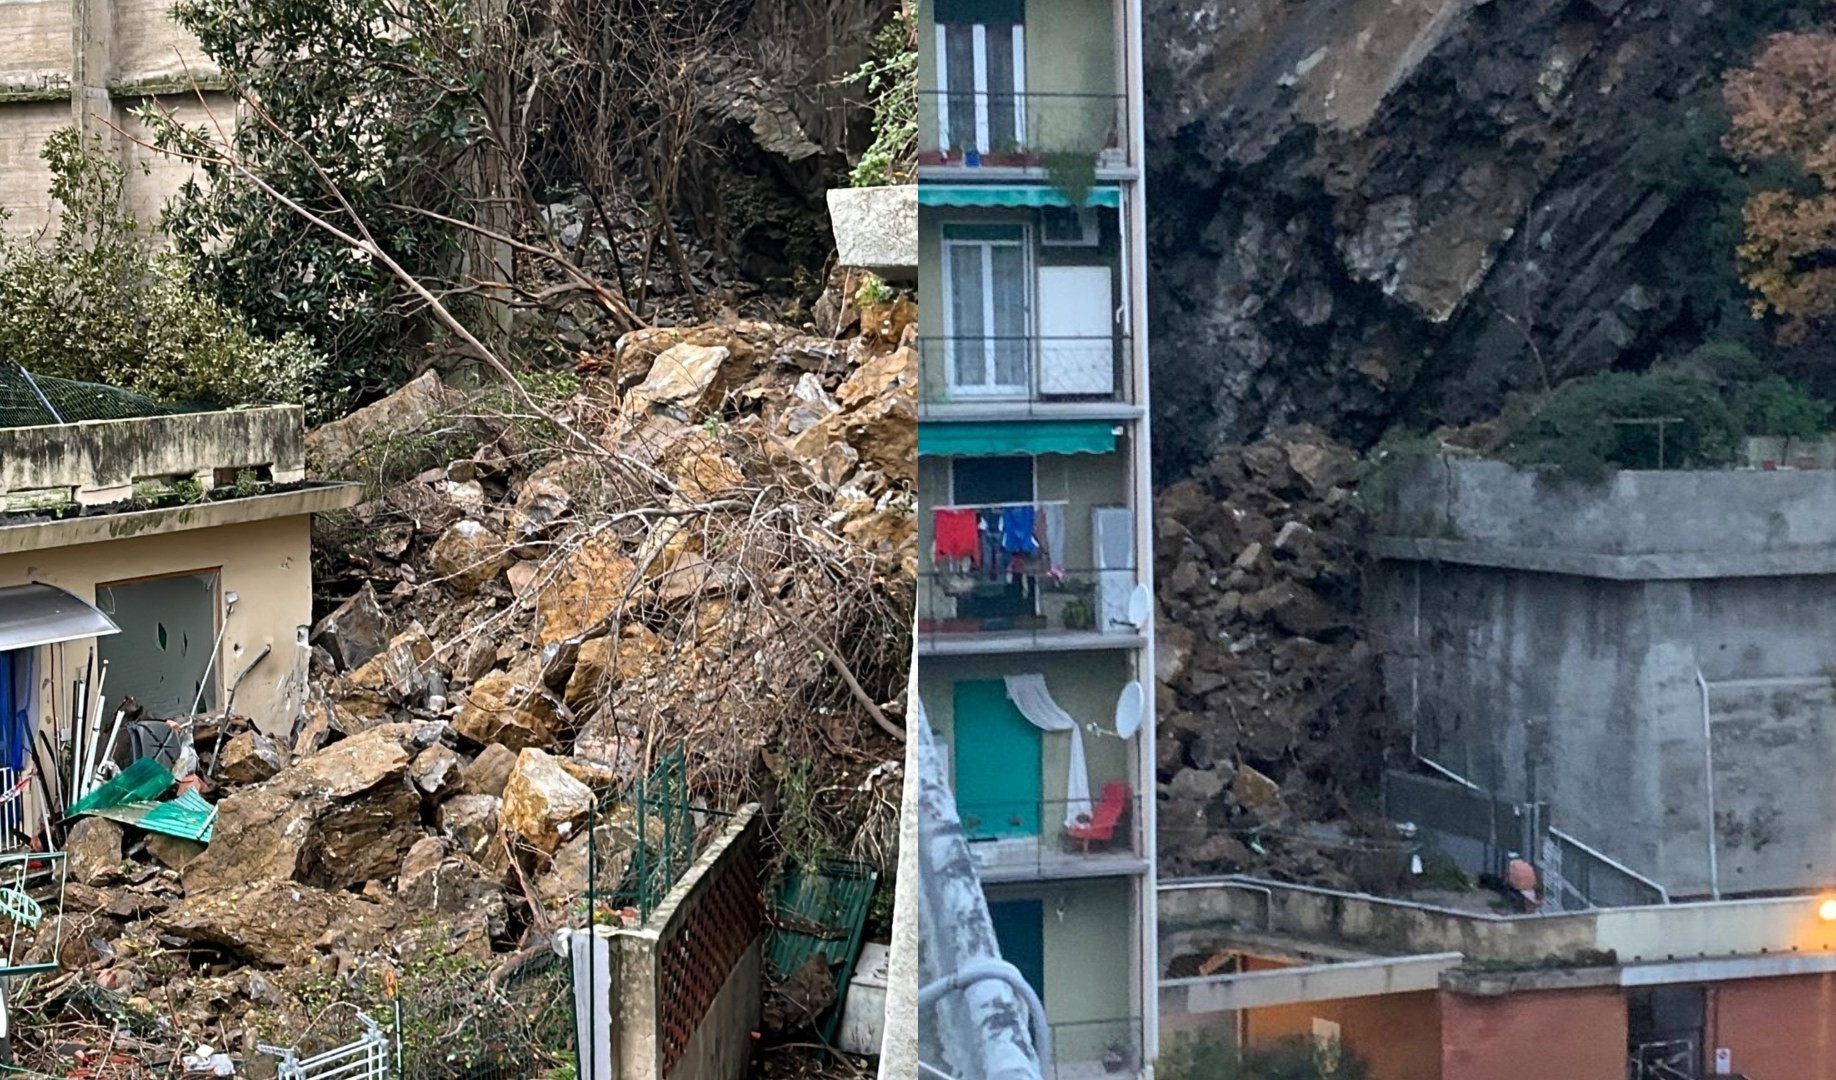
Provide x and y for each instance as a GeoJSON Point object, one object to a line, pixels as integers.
{"type": "Point", "coordinates": [634, 871]}
{"type": "Point", "coordinates": [821, 911]}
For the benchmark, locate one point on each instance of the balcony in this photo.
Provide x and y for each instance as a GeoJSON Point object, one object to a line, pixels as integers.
{"type": "Point", "coordinates": [989, 377]}
{"type": "Point", "coordinates": [1095, 1049]}
{"type": "Point", "coordinates": [1030, 841]}
{"type": "Point", "coordinates": [972, 612]}
{"type": "Point", "coordinates": [996, 129]}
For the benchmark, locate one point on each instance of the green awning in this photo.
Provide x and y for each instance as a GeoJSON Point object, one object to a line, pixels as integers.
{"type": "Point", "coordinates": [1011, 195]}
{"type": "Point", "coordinates": [1017, 437]}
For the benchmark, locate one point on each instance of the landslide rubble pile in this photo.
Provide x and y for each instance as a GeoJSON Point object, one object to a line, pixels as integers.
{"type": "Point", "coordinates": [1271, 729]}
{"type": "Point", "coordinates": [707, 543]}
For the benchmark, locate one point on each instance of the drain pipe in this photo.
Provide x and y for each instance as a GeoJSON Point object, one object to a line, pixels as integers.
{"type": "Point", "coordinates": [1708, 777]}
{"type": "Point", "coordinates": [970, 1017]}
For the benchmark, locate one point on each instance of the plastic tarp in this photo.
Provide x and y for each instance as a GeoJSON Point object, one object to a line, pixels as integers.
{"type": "Point", "coordinates": [1011, 195]}
{"type": "Point", "coordinates": [39, 614]}
{"type": "Point", "coordinates": [998, 439]}
{"type": "Point", "coordinates": [143, 781]}
{"type": "Point", "coordinates": [187, 816]}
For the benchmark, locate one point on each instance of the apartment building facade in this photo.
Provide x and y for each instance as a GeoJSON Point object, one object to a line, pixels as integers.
{"type": "Point", "coordinates": [1035, 633]}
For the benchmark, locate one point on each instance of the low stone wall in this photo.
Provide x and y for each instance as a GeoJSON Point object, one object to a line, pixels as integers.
{"type": "Point", "coordinates": [99, 462]}
{"type": "Point", "coordinates": [686, 987]}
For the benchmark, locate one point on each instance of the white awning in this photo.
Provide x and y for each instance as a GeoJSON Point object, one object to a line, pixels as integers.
{"type": "Point", "coordinates": [37, 614]}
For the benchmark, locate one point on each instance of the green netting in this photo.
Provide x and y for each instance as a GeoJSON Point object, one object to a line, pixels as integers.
{"type": "Point", "coordinates": [28, 400]}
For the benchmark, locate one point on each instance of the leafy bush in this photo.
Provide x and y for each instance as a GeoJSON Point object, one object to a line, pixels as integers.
{"type": "Point", "coordinates": [891, 77]}
{"type": "Point", "coordinates": [1579, 431]}
{"type": "Point", "coordinates": [1210, 1057]}
{"type": "Point", "coordinates": [1778, 408]}
{"type": "Point", "coordinates": [99, 303]}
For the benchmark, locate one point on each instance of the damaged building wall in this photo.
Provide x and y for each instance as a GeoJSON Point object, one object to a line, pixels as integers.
{"type": "Point", "coordinates": [1560, 643]}
{"type": "Point", "coordinates": [266, 563]}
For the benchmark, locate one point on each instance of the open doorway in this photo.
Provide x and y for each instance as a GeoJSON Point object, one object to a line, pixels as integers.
{"type": "Point", "coordinates": [162, 656]}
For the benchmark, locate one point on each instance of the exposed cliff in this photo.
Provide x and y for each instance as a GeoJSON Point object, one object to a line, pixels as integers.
{"type": "Point", "coordinates": [1367, 211]}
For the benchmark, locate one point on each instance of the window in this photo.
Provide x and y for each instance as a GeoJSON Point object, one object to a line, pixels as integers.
{"type": "Point", "coordinates": [991, 480]}
{"type": "Point", "coordinates": [981, 69]}
{"type": "Point", "coordinates": [986, 310]}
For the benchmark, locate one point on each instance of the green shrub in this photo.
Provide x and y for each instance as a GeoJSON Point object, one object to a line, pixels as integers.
{"type": "Point", "coordinates": [1212, 1057]}
{"type": "Point", "coordinates": [99, 304]}
{"type": "Point", "coordinates": [1589, 427]}
{"type": "Point", "coordinates": [891, 77]}
{"type": "Point", "coordinates": [1778, 408]}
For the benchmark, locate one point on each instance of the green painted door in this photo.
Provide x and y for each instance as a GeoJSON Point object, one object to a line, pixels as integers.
{"type": "Point", "coordinates": [996, 753]}
{"type": "Point", "coordinates": [1019, 927]}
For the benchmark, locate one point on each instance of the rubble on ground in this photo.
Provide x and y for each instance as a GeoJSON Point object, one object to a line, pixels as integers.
{"type": "Point", "coordinates": [680, 552]}
{"type": "Point", "coordinates": [1270, 703]}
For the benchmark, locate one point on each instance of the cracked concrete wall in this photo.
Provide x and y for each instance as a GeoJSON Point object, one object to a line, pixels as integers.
{"type": "Point", "coordinates": [89, 62]}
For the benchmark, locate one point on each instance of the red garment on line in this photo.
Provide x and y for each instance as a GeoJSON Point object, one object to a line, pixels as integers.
{"type": "Point", "coordinates": [954, 536]}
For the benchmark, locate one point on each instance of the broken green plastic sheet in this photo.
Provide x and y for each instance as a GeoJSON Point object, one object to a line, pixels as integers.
{"type": "Point", "coordinates": [1014, 195]}
{"type": "Point", "coordinates": [999, 439]}
{"type": "Point", "coordinates": [143, 781]}
{"type": "Point", "coordinates": [188, 817]}
{"type": "Point", "coordinates": [822, 911]}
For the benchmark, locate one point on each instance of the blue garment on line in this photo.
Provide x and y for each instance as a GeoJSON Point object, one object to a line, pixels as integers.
{"type": "Point", "coordinates": [1017, 531]}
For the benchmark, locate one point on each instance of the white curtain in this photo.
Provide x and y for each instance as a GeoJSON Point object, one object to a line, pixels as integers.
{"type": "Point", "coordinates": [1030, 696]}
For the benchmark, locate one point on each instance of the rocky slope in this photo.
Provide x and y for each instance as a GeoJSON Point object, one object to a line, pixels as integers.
{"type": "Point", "coordinates": [1367, 211]}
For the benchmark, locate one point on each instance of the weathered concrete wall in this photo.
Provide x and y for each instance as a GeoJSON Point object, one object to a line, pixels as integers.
{"type": "Point", "coordinates": [1552, 643]}
{"type": "Point", "coordinates": [99, 462]}
{"type": "Point", "coordinates": [268, 564]}
{"type": "Point", "coordinates": [90, 61]}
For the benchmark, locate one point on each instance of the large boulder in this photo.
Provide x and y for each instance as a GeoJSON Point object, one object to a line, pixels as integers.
{"type": "Point", "coordinates": [342, 446]}
{"type": "Point", "coordinates": [250, 758]}
{"type": "Point", "coordinates": [456, 891]}
{"type": "Point", "coordinates": [338, 818]}
{"type": "Point", "coordinates": [471, 823]}
{"type": "Point", "coordinates": [542, 505]}
{"type": "Point", "coordinates": [543, 803]}
{"type": "Point", "coordinates": [468, 554]}
{"type": "Point", "coordinates": [507, 707]}
{"type": "Point", "coordinates": [437, 771]}
{"type": "Point", "coordinates": [592, 583]}
{"type": "Point", "coordinates": [355, 632]}
{"type": "Point", "coordinates": [681, 380]}
{"type": "Point", "coordinates": [489, 771]}
{"type": "Point", "coordinates": [94, 850]}
{"type": "Point", "coordinates": [279, 923]}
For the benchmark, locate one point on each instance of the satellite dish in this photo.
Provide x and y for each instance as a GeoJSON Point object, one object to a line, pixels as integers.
{"type": "Point", "coordinates": [1129, 707]}
{"type": "Point", "coordinates": [1140, 604]}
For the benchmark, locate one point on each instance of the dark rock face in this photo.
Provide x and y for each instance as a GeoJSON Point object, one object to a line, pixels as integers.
{"type": "Point", "coordinates": [1365, 212]}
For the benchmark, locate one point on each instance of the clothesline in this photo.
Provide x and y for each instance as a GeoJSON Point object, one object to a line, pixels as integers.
{"type": "Point", "coordinates": [1041, 503]}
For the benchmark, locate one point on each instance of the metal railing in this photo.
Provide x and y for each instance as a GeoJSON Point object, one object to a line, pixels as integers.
{"type": "Point", "coordinates": [1028, 374]}
{"type": "Point", "coordinates": [368, 1058]}
{"type": "Point", "coordinates": [1004, 129]}
{"type": "Point", "coordinates": [1021, 839]}
{"type": "Point", "coordinates": [1035, 602]}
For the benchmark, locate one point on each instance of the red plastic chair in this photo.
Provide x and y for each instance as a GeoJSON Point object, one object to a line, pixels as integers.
{"type": "Point", "coordinates": [1100, 826]}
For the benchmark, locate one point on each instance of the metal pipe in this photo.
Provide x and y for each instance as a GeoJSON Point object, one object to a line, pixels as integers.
{"type": "Point", "coordinates": [979, 1030]}
{"type": "Point", "coordinates": [93, 736]}
{"type": "Point", "coordinates": [1708, 780]}
{"type": "Point", "coordinates": [1000, 970]}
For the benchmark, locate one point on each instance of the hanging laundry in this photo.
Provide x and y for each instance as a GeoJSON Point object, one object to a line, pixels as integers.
{"type": "Point", "coordinates": [1017, 531]}
{"type": "Point", "coordinates": [993, 553]}
{"type": "Point", "coordinates": [954, 535]}
{"type": "Point", "coordinates": [1055, 540]}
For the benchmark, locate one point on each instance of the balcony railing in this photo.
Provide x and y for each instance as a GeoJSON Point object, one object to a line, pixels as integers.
{"type": "Point", "coordinates": [1036, 604]}
{"type": "Point", "coordinates": [1026, 840]}
{"type": "Point", "coordinates": [1000, 128]}
{"type": "Point", "coordinates": [1096, 1049]}
{"type": "Point", "coordinates": [1028, 375]}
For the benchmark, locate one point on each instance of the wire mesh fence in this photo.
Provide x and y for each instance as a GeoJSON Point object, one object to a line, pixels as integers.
{"type": "Point", "coordinates": [633, 872]}
{"type": "Point", "coordinates": [28, 400]}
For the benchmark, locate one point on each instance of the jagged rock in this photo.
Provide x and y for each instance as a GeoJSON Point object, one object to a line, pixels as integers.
{"type": "Point", "coordinates": [250, 758]}
{"type": "Point", "coordinates": [542, 505]}
{"type": "Point", "coordinates": [456, 891]}
{"type": "Point", "coordinates": [407, 664]}
{"type": "Point", "coordinates": [341, 442]}
{"type": "Point", "coordinates": [507, 707]}
{"type": "Point", "coordinates": [521, 575]}
{"type": "Point", "coordinates": [592, 583]}
{"type": "Point", "coordinates": [1251, 788]}
{"type": "Point", "coordinates": [471, 823]}
{"type": "Point", "coordinates": [604, 662]}
{"type": "Point", "coordinates": [543, 804]}
{"type": "Point", "coordinates": [338, 818]}
{"type": "Point", "coordinates": [468, 554]}
{"type": "Point", "coordinates": [679, 382]}
{"type": "Point", "coordinates": [354, 632]}
{"type": "Point", "coordinates": [94, 850]}
{"type": "Point", "coordinates": [279, 923]}
{"type": "Point", "coordinates": [1201, 784]}
{"type": "Point", "coordinates": [174, 852]}
{"type": "Point", "coordinates": [437, 771]}
{"type": "Point", "coordinates": [489, 771]}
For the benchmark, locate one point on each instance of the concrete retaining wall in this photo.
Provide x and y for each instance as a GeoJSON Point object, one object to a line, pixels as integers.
{"type": "Point", "coordinates": [1562, 644]}
{"type": "Point", "coordinates": [100, 462]}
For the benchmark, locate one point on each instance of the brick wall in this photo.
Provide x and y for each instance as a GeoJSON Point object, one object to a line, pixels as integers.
{"type": "Point", "coordinates": [1399, 1035]}
{"type": "Point", "coordinates": [1776, 1029]}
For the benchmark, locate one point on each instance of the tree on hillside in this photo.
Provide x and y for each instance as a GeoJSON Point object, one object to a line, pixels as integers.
{"type": "Point", "coordinates": [1784, 117]}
